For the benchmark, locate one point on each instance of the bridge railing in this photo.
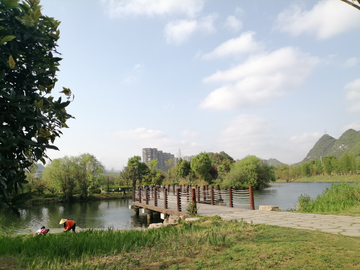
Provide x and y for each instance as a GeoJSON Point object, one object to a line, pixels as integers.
{"type": "Point", "coordinates": [178, 196]}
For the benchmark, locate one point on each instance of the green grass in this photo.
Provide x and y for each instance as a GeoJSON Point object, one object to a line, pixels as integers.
{"type": "Point", "coordinates": [339, 198]}
{"type": "Point", "coordinates": [325, 178]}
{"type": "Point", "coordinates": [207, 244]}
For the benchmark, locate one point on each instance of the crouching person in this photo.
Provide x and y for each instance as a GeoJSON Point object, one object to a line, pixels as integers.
{"type": "Point", "coordinates": [68, 224]}
{"type": "Point", "coordinates": [41, 231]}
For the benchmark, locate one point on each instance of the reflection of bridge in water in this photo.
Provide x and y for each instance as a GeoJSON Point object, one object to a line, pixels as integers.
{"type": "Point", "coordinates": [175, 199]}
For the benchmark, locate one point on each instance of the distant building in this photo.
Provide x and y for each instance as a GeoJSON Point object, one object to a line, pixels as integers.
{"type": "Point", "coordinates": [149, 154]}
{"type": "Point", "coordinates": [187, 158]}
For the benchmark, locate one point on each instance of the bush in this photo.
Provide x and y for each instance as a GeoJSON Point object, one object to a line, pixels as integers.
{"type": "Point", "coordinates": [339, 197]}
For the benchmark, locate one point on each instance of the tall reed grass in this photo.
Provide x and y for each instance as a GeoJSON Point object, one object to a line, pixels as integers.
{"type": "Point", "coordinates": [339, 197]}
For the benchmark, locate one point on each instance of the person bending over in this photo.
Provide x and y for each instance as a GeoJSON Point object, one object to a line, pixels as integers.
{"type": "Point", "coordinates": [68, 224]}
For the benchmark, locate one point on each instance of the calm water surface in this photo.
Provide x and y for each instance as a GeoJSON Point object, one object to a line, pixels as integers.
{"type": "Point", "coordinates": [97, 214]}
{"type": "Point", "coordinates": [286, 195]}
{"type": "Point", "coordinates": [116, 213]}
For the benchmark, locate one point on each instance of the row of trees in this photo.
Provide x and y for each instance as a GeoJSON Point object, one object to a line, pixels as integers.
{"type": "Point", "coordinates": [329, 165]}
{"type": "Point", "coordinates": [205, 168]}
{"type": "Point", "coordinates": [85, 175]}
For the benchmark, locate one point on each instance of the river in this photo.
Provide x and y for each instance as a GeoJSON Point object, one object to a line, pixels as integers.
{"type": "Point", "coordinates": [117, 215]}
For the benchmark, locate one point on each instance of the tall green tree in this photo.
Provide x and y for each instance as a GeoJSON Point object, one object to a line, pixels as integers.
{"type": "Point", "coordinates": [250, 171]}
{"type": "Point", "coordinates": [182, 168]}
{"type": "Point", "coordinates": [59, 175]}
{"type": "Point", "coordinates": [87, 171]}
{"type": "Point", "coordinates": [201, 166]}
{"type": "Point", "coordinates": [138, 170]}
{"type": "Point", "coordinates": [81, 173]}
{"type": "Point", "coordinates": [154, 176]}
{"type": "Point", "coordinates": [125, 176]}
{"type": "Point", "coordinates": [30, 117]}
{"type": "Point", "coordinates": [348, 163]}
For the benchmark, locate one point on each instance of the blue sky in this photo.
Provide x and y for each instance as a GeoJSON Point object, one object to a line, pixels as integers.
{"type": "Point", "coordinates": [264, 78]}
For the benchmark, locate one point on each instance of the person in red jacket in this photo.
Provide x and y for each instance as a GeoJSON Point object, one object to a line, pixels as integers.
{"type": "Point", "coordinates": [68, 224]}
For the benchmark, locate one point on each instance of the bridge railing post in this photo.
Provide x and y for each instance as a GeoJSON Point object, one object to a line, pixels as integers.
{"type": "Point", "coordinates": [219, 192]}
{"type": "Point", "coordinates": [193, 196]}
{"type": "Point", "coordinates": [187, 193]}
{"type": "Point", "coordinates": [230, 197]}
{"type": "Point", "coordinates": [178, 199]}
{"type": "Point", "coordinates": [147, 195]}
{"type": "Point", "coordinates": [155, 197]}
{"type": "Point", "coordinates": [165, 200]}
{"type": "Point", "coordinates": [204, 192]}
{"type": "Point", "coordinates": [251, 196]}
{"type": "Point", "coordinates": [198, 194]}
{"type": "Point", "coordinates": [212, 195]}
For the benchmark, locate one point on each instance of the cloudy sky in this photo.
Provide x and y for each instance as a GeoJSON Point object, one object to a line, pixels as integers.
{"type": "Point", "coordinates": [264, 78]}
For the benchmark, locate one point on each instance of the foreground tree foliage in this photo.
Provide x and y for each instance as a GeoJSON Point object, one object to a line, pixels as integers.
{"type": "Point", "coordinates": [30, 117]}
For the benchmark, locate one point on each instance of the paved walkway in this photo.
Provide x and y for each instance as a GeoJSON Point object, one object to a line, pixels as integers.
{"type": "Point", "coordinates": [344, 225]}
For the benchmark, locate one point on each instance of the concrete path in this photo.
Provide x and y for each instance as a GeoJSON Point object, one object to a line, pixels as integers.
{"type": "Point", "coordinates": [344, 225]}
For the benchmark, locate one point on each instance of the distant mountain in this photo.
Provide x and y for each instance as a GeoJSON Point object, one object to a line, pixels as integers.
{"type": "Point", "coordinates": [349, 142]}
{"type": "Point", "coordinates": [272, 162]}
{"type": "Point", "coordinates": [321, 148]}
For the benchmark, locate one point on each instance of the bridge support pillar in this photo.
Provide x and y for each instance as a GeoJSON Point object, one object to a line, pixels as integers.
{"type": "Point", "coordinates": [149, 215]}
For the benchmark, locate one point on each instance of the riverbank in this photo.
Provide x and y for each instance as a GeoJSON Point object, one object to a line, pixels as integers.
{"type": "Point", "coordinates": [205, 244]}
{"type": "Point", "coordinates": [324, 178]}
{"type": "Point", "coordinates": [57, 198]}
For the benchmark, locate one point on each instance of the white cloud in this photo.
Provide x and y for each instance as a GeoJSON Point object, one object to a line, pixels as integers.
{"type": "Point", "coordinates": [253, 135]}
{"type": "Point", "coordinates": [246, 135]}
{"type": "Point", "coordinates": [122, 8]}
{"type": "Point", "coordinates": [178, 31]}
{"type": "Point", "coordinates": [353, 95]}
{"type": "Point", "coordinates": [355, 125]}
{"type": "Point", "coordinates": [138, 66]}
{"type": "Point", "coordinates": [169, 106]}
{"type": "Point", "coordinates": [189, 134]}
{"type": "Point", "coordinates": [306, 138]}
{"type": "Point", "coordinates": [259, 79]}
{"type": "Point", "coordinates": [245, 43]}
{"type": "Point", "coordinates": [350, 62]}
{"type": "Point", "coordinates": [233, 23]}
{"type": "Point", "coordinates": [325, 20]}
{"type": "Point", "coordinates": [139, 134]}
{"type": "Point", "coordinates": [134, 75]}
{"type": "Point", "coordinates": [143, 138]}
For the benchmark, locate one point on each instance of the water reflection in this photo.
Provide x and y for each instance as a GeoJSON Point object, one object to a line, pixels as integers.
{"type": "Point", "coordinates": [113, 214]}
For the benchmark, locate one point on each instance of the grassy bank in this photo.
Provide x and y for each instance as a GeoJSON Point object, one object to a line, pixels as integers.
{"type": "Point", "coordinates": [50, 198]}
{"type": "Point", "coordinates": [325, 178]}
{"type": "Point", "coordinates": [207, 244]}
{"type": "Point", "coordinates": [339, 199]}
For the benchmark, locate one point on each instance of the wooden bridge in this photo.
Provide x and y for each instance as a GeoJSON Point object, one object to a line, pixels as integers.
{"type": "Point", "coordinates": [174, 200]}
